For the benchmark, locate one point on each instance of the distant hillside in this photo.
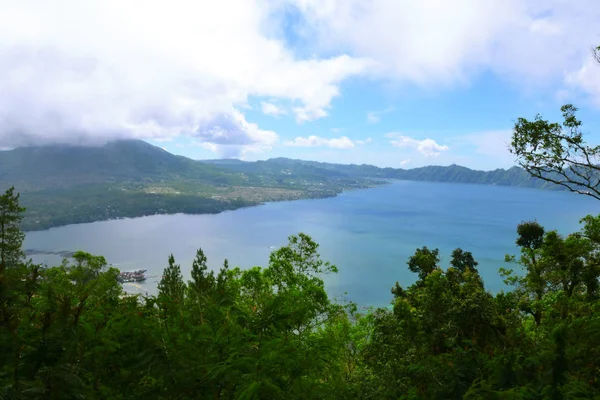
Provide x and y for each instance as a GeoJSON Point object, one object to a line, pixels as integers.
{"type": "Point", "coordinates": [514, 176]}
{"type": "Point", "coordinates": [135, 161]}
{"type": "Point", "coordinates": [282, 167]}
{"type": "Point", "coordinates": [129, 178]}
{"type": "Point", "coordinates": [60, 166]}
{"type": "Point", "coordinates": [62, 184]}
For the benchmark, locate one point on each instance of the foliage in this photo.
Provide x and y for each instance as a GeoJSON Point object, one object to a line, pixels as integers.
{"type": "Point", "coordinates": [557, 153]}
{"type": "Point", "coordinates": [69, 331]}
{"type": "Point", "coordinates": [11, 237]}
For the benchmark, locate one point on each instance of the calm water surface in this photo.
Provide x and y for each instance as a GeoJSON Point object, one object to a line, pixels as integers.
{"type": "Point", "coordinates": [368, 234]}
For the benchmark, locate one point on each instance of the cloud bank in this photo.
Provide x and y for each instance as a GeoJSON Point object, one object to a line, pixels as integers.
{"type": "Point", "coordinates": [97, 70]}
{"type": "Point", "coordinates": [433, 43]}
{"type": "Point", "coordinates": [94, 70]}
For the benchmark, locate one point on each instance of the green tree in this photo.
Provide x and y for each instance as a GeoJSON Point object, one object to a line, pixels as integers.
{"type": "Point", "coordinates": [13, 282]}
{"type": "Point", "coordinates": [557, 153]}
{"type": "Point", "coordinates": [11, 236]}
{"type": "Point", "coordinates": [557, 293]}
{"type": "Point", "coordinates": [424, 261]}
{"type": "Point", "coordinates": [463, 260]}
{"type": "Point", "coordinates": [202, 280]}
{"type": "Point", "coordinates": [171, 287]}
{"type": "Point", "coordinates": [438, 335]}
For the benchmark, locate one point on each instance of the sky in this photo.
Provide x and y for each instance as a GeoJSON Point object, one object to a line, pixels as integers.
{"type": "Point", "coordinates": [400, 83]}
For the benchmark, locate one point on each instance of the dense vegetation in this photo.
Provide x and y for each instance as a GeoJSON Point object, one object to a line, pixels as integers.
{"type": "Point", "coordinates": [514, 176]}
{"type": "Point", "coordinates": [70, 332]}
{"type": "Point", "coordinates": [130, 178]}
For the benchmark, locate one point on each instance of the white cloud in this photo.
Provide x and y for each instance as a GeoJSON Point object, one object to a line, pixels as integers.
{"type": "Point", "coordinates": [83, 71]}
{"type": "Point", "coordinates": [365, 141]}
{"type": "Point", "coordinates": [587, 80]}
{"type": "Point", "coordinates": [97, 70]}
{"type": "Point", "coordinates": [375, 116]}
{"type": "Point", "coordinates": [405, 162]}
{"type": "Point", "coordinates": [271, 109]}
{"type": "Point", "coordinates": [489, 143]}
{"type": "Point", "coordinates": [427, 147]}
{"type": "Point", "coordinates": [229, 135]}
{"type": "Point", "coordinates": [433, 42]}
{"type": "Point", "coordinates": [317, 141]}
{"type": "Point", "coordinates": [493, 146]}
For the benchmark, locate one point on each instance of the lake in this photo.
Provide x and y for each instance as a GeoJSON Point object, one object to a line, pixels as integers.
{"type": "Point", "coordinates": [369, 234]}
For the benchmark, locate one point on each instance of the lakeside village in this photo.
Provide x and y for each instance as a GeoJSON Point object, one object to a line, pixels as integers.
{"type": "Point", "coordinates": [139, 275]}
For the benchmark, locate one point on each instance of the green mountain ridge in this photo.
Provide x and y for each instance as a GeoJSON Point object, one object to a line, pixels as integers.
{"type": "Point", "coordinates": [64, 184]}
{"type": "Point", "coordinates": [64, 166]}
{"type": "Point", "coordinates": [514, 176]}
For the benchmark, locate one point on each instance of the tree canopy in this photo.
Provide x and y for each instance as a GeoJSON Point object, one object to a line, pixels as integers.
{"type": "Point", "coordinates": [69, 331]}
{"type": "Point", "coordinates": [557, 152]}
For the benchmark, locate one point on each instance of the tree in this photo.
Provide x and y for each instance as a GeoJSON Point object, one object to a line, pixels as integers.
{"type": "Point", "coordinates": [463, 260]}
{"type": "Point", "coordinates": [530, 235]}
{"type": "Point", "coordinates": [11, 255]}
{"type": "Point", "coordinates": [557, 153]}
{"type": "Point", "coordinates": [11, 278]}
{"type": "Point", "coordinates": [424, 262]}
{"type": "Point", "coordinates": [11, 236]}
{"type": "Point", "coordinates": [171, 287]}
{"type": "Point", "coordinates": [434, 342]}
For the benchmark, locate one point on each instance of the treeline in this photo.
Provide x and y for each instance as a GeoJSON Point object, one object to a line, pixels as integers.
{"type": "Point", "coordinates": [279, 170]}
{"type": "Point", "coordinates": [70, 332]}
{"type": "Point", "coordinates": [90, 203]}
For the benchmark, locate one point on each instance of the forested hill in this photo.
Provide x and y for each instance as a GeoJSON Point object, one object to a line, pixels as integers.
{"type": "Point", "coordinates": [59, 166]}
{"type": "Point", "coordinates": [514, 176]}
{"type": "Point", "coordinates": [62, 184]}
{"type": "Point", "coordinates": [55, 166]}
{"type": "Point", "coordinates": [71, 184]}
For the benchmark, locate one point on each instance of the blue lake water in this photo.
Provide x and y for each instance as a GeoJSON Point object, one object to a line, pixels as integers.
{"type": "Point", "coordinates": [369, 234]}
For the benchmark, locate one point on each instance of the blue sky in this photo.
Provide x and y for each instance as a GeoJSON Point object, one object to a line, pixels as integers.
{"type": "Point", "coordinates": [399, 83]}
{"type": "Point", "coordinates": [474, 121]}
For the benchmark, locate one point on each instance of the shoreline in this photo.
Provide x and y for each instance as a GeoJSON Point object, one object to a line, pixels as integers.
{"type": "Point", "coordinates": [326, 196]}
{"type": "Point", "coordinates": [47, 228]}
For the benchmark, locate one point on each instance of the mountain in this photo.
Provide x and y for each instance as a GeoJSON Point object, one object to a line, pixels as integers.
{"type": "Point", "coordinates": [62, 184]}
{"type": "Point", "coordinates": [282, 167]}
{"type": "Point", "coordinates": [61, 166]}
{"type": "Point", "coordinates": [514, 176]}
